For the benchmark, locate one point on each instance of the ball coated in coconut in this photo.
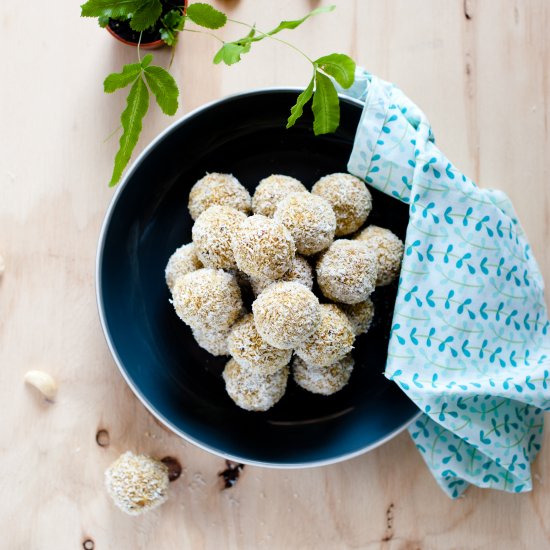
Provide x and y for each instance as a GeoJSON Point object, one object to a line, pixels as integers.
{"type": "Point", "coordinates": [286, 314]}
{"type": "Point", "coordinates": [310, 220]}
{"type": "Point", "coordinates": [181, 262]}
{"type": "Point", "coordinates": [207, 299]}
{"type": "Point", "coordinates": [388, 248]}
{"type": "Point", "coordinates": [252, 391]}
{"type": "Point", "coordinates": [322, 380]}
{"type": "Point", "coordinates": [252, 352]}
{"type": "Point", "coordinates": [212, 235]}
{"type": "Point", "coordinates": [263, 248]}
{"type": "Point", "coordinates": [350, 199]}
{"type": "Point", "coordinates": [218, 189]}
{"type": "Point", "coordinates": [347, 272]}
{"type": "Point", "coordinates": [137, 483]}
{"type": "Point", "coordinates": [213, 341]}
{"type": "Point", "coordinates": [271, 191]}
{"type": "Point", "coordinates": [300, 272]}
{"type": "Point", "coordinates": [331, 341]}
{"type": "Point", "coordinates": [360, 315]}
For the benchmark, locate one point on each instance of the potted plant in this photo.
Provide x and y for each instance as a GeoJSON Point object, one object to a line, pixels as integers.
{"type": "Point", "coordinates": [158, 22]}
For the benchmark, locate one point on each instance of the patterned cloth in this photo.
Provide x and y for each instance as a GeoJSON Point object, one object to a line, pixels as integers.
{"type": "Point", "coordinates": [469, 342]}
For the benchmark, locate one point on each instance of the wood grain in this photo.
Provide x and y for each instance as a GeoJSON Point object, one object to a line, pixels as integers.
{"type": "Point", "coordinates": [479, 69]}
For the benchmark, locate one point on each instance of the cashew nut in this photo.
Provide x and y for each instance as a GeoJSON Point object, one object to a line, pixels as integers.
{"type": "Point", "coordinates": [43, 382]}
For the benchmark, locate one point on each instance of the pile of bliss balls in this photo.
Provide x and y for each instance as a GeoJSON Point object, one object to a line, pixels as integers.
{"type": "Point", "coordinates": [278, 243]}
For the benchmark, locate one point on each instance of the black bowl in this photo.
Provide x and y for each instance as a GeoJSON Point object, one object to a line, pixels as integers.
{"type": "Point", "coordinates": [179, 382]}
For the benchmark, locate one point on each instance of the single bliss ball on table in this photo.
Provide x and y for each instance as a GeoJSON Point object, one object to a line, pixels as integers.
{"type": "Point", "coordinates": [300, 272]}
{"type": "Point", "coordinates": [360, 315]}
{"type": "Point", "coordinates": [218, 189]}
{"type": "Point", "coordinates": [263, 248]}
{"type": "Point", "coordinates": [322, 380]}
{"type": "Point", "coordinates": [347, 272]}
{"type": "Point", "coordinates": [181, 262]}
{"type": "Point", "coordinates": [137, 483]}
{"type": "Point", "coordinates": [388, 248]}
{"type": "Point", "coordinates": [271, 191]}
{"type": "Point", "coordinates": [253, 353]}
{"type": "Point", "coordinates": [212, 234]}
{"type": "Point", "coordinates": [350, 199]}
{"type": "Point", "coordinates": [310, 219]}
{"type": "Point", "coordinates": [252, 391]}
{"type": "Point", "coordinates": [207, 299]}
{"type": "Point", "coordinates": [285, 314]}
{"type": "Point", "coordinates": [331, 341]}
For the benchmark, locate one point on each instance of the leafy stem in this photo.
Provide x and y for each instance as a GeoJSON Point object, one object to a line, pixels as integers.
{"type": "Point", "coordinates": [145, 79]}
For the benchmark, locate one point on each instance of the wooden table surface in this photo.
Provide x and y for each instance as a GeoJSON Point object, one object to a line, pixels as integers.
{"type": "Point", "coordinates": [481, 72]}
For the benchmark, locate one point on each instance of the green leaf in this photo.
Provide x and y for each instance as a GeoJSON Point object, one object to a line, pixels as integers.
{"type": "Point", "coordinates": [298, 108]}
{"type": "Point", "coordinates": [168, 36]}
{"type": "Point", "coordinates": [173, 20]}
{"type": "Point", "coordinates": [137, 104]}
{"type": "Point", "coordinates": [115, 81]}
{"type": "Point", "coordinates": [146, 61]}
{"type": "Point", "coordinates": [341, 67]}
{"type": "Point", "coordinates": [230, 53]}
{"type": "Point", "coordinates": [296, 22]}
{"type": "Point", "coordinates": [146, 15]}
{"type": "Point", "coordinates": [103, 21]}
{"type": "Point", "coordinates": [205, 15]}
{"type": "Point", "coordinates": [326, 106]}
{"type": "Point", "coordinates": [164, 87]}
{"type": "Point", "coordinates": [109, 8]}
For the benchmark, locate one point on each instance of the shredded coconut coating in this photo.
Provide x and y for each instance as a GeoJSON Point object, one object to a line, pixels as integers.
{"type": "Point", "coordinates": [252, 391]}
{"type": "Point", "coordinates": [350, 199]}
{"type": "Point", "coordinates": [310, 219]}
{"type": "Point", "coordinates": [213, 341]}
{"type": "Point", "coordinates": [388, 248]}
{"type": "Point", "coordinates": [347, 272]}
{"type": "Point", "coordinates": [212, 235]}
{"type": "Point", "coordinates": [218, 189]}
{"type": "Point", "coordinates": [252, 352]}
{"type": "Point", "coordinates": [300, 272]}
{"type": "Point", "coordinates": [360, 315]}
{"type": "Point", "coordinates": [263, 248]}
{"type": "Point", "coordinates": [331, 341]}
{"type": "Point", "coordinates": [207, 299]}
{"type": "Point", "coordinates": [271, 191]}
{"type": "Point", "coordinates": [137, 483]}
{"type": "Point", "coordinates": [323, 380]}
{"type": "Point", "coordinates": [286, 314]}
{"type": "Point", "coordinates": [181, 262]}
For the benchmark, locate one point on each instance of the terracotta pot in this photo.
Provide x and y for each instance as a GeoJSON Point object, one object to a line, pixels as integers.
{"type": "Point", "coordinates": [144, 45]}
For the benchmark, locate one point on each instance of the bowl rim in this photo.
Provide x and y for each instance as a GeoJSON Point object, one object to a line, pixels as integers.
{"type": "Point", "coordinates": [107, 335]}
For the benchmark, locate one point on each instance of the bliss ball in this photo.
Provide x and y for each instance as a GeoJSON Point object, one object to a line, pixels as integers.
{"type": "Point", "coordinates": [347, 272]}
{"type": "Point", "coordinates": [300, 272]}
{"type": "Point", "coordinates": [271, 191]}
{"type": "Point", "coordinates": [137, 483]}
{"type": "Point", "coordinates": [218, 189]}
{"type": "Point", "coordinates": [181, 262]}
{"type": "Point", "coordinates": [252, 391]}
{"type": "Point", "coordinates": [253, 353]}
{"type": "Point", "coordinates": [310, 219]}
{"type": "Point", "coordinates": [285, 314]}
{"type": "Point", "coordinates": [323, 380]}
{"type": "Point", "coordinates": [331, 341]}
{"type": "Point", "coordinates": [360, 315]}
{"type": "Point", "coordinates": [212, 234]}
{"type": "Point", "coordinates": [350, 199]}
{"type": "Point", "coordinates": [207, 299]}
{"type": "Point", "coordinates": [263, 248]}
{"type": "Point", "coordinates": [213, 341]}
{"type": "Point", "coordinates": [388, 249]}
